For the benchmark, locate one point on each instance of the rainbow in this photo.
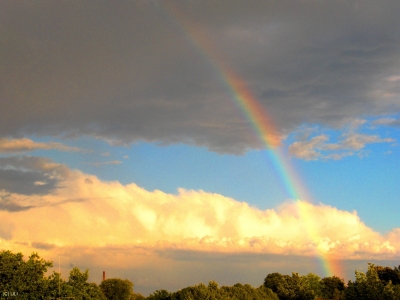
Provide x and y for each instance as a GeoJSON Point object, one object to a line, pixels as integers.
{"type": "Point", "coordinates": [263, 126]}
{"type": "Point", "coordinates": [265, 129]}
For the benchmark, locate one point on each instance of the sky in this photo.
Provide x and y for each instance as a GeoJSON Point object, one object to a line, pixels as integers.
{"type": "Point", "coordinates": [177, 142]}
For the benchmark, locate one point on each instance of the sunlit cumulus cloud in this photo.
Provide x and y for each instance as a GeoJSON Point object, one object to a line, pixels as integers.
{"type": "Point", "coordinates": [83, 211]}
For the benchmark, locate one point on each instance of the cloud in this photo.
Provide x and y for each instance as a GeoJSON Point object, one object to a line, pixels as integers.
{"type": "Point", "coordinates": [30, 175]}
{"type": "Point", "coordinates": [357, 141]}
{"type": "Point", "coordinates": [136, 75]}
{"type": "Point", "coordinates": [112, 162]}
{"type": "Point", "coordinates": [140, 234]}
{"type": "Point", "coordinates": [348, 144]}
{"type": "Point", "coordinates": [387, 121]}
{"type": "Point", "coordinates": [8, 145]}
{"type": "Point", "coordinates": [307, 149]}
{"type": "Point", "coordinates": [7, 203]}
{"type": "Point", "coordinates": [394, 78]}
{"type": "Point", "coordinates": [44, 246]}
{"type": "Point", "coordinates": [102, 213]}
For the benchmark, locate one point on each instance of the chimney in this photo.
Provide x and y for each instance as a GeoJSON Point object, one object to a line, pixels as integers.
{"type": "Point", "coordinates": [104, 275]}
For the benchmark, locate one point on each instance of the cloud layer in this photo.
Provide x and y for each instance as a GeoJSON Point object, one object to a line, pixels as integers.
{"type": "Point", "coordinates": [81, 210]}
{"type": "Point", "coordinates": [132, 71]}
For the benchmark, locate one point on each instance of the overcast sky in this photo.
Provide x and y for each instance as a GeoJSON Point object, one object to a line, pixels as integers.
{"type": "Point", "coordinates": [124, 144]}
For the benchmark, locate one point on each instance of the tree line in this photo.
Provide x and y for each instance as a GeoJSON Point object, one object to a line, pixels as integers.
{"type": "Point", "coordinates": [27, 280]}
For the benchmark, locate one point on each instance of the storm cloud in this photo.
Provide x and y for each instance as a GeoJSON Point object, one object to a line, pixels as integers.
{"type": "Point", "coordinates": [133, 71]}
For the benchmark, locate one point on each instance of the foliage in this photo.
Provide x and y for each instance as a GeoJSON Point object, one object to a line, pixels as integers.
{"type": "Point", "coordinates": [396, 292]}
{"type": "Point", "coordinates": [117, 289]}
{"type": "Point", "coordinates": [27, 278]}
{"type": "Point", "coordinates": [56, 287]}
{"type": "Point", "coordinates": [23, 277]}
{"type": "Point", "coordinates": [239, 291]}
{"type": "Point", "coordinates": [309, 286]}
{"type": "Point", "coordinates": [137, 296]}
{"type": "Point", "coordinates": [314, 283]}
{"type": "Point", "coordinates": [199, 292]}
{"type": "Point", "coordinates": [332, 288]}
{"type": "Point", "coordinates": [160, 295]}
{"type": "Point", "coordinates": [213, 292]}
{"type": "Point", "coordinates": [76, 287]}
{"type": "Point", "coordinates": [81, 289]}
{"type": "Point", "coordinates": [273, 281]}
{"type": "Point", "coordinates": [387, 274]}
{"type": "Point", "coordinates": [370, 287]}
{"type": "Point", "coordinates": [293, 287]}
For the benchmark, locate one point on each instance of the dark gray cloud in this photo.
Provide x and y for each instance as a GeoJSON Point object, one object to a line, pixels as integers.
{"type": "Point", "coordinates": [131, 71]}
{"type": "Point", "coordinates": [28, 176]}
{"type": "Point", "coordinates": [26, 182]}
{"type": "Point", "coordinates": [44, 246]}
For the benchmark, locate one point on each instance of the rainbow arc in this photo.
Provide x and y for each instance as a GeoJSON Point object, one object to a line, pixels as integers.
{"type": "Point", "coordinates": [263, 126]}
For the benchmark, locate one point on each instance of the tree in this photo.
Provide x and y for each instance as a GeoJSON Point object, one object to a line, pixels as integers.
{"type": "Point", "coordinates": [117, 289]}
{"type": "Point", "coordinates": [137, 296]}
{"type": "Point", "coordinates": [57, 287]}
{"type": "Point", "coordinates": [293, 287]}
{"type": "Point", "coordinates": [81, 289]}
{"type": "Point", "coordinates": [332, 287]}
{"type": "Point", "coordinates": [266, 293]}
{"type": "Point", "coordinates": [369, 287]}
{"type": "Point", "coordinates": [10, 269]}
{"type": "Point", "coordinates": [197, 292]}
{"type": "Point", "coordinates": [387, 274]}
{"type": "Point", "coordinates": [23, 277]}
{"type": "Point", "coordinates": [314, 283]}
{"type": "Point", "coordinates": [244, 292]}
{"type": "Point", "coordinates": [160, 295]}
{"type": "Point", "coordinates": [396, 291]}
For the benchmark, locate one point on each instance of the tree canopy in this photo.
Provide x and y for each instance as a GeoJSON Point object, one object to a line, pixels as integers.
{"type": "Point", "coordinates": [27, 280]}
{"type": "Point", "coordinates": [117, 289]}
